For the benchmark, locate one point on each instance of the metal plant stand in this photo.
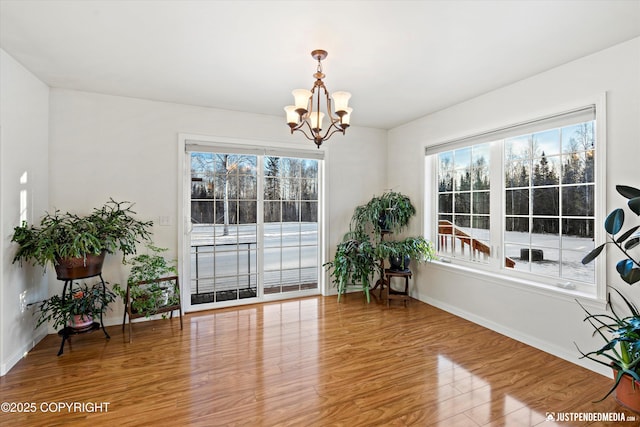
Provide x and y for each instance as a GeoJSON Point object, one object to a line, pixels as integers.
{"type": "Point", "coordinates": [68, 331]}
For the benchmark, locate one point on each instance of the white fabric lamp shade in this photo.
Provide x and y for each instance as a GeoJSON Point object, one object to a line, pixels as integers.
{"type": "Point", "coordinates": [347, 117]}
{"type": "Point", "coordinates": [341, 100]}
{"type": "Point", "coordinates": [314, 118]}
{"type": "Point", "coordinates": [292, 115]}
{"type": "Point", "coordinates": [301, 97]}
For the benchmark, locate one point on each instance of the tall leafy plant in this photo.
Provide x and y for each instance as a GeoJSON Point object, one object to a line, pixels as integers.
{"type": "Point", "coordinates": [389, 212]}
{"type": "Point", "coordinates": [359, 255]}
{"type": "Point", "coordinates": [354, 260]}
{"type": "Point", "coordinates": [415, 247]}
{"type": "Point", "coordinates": [621, 334]}
{"type": "Point", "coordinates": [629, 267]}
{"type": "Point", "coordinates": [621, 350]}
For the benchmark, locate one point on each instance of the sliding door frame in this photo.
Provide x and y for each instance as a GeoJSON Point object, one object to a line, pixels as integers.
{"type": "Point", "coordinates": [240, 146]}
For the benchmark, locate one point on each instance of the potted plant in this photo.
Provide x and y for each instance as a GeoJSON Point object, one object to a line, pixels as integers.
{"type": "Point", "coordinates": [76, 310]}
{"type": "Point", "coordinates": [363, 249]}
{"type": "Point", "coordinates": [628, 268]}
{"type": "Point", "coordinates": [401, 252]}
{"type": "Point", "coordinates": [621, 334]}
{"type": "Point", "coordinates": [353, 263]}
{"type": "Point", "coordinates": [621, 350]}
{"type": "Point", "coordinates": [76, 245]}
{"type": "Point", "coordinates": [389, 212]}
{"type": "Point", "coordinates": [147, 294]}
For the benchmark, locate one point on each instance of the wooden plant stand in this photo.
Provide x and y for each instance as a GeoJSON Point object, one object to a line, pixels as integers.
{"type": "Point", "coordinates": [128, 310]}
{"type": "Point", "coordinates": [393, 294]}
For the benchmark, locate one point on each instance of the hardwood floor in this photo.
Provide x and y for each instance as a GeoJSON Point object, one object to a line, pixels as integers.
{"type": "Point", "coordinates": [307, 362]}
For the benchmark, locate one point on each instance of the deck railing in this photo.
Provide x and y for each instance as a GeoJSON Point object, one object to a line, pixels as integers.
{"type": "Point", "coordinates": [448, 234]}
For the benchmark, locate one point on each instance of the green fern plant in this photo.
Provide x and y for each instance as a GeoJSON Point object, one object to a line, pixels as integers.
{"type": "Point", "coordinates": [148, 295]}
{"type": "Point", "coordinates": [358, 256]}
{"type": "Point", "coordinates": [389, 212]}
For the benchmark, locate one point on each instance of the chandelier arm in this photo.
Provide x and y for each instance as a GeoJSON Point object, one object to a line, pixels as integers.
{"type": "Point", "coordinates": [299, 125]}
{"type": "Point", "coordinates": [310, 103]}
{"type": "Point", "coordinates": [318, 103]}
{"type": "Point", "coordinates": [330, 112]}
{"type": "Point", "coordinates": [301, 129]}
{"type": "Point", "coordinates": [329, 132]}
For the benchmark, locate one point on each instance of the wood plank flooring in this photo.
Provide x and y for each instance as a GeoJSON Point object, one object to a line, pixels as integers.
{"type": "Point", "coordinates": [306, 362]}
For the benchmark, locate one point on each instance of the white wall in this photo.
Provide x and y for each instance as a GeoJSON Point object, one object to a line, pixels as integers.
{"type": "Point", "coordinates": [24, 124]}
{"type": "Point", "coordinates": [549, 323]}
{"type": "Point", "coordinates": [108, 146]}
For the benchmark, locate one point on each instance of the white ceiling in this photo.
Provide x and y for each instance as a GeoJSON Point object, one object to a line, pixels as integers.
{"type": "Point", "coordinates": [400, 59]}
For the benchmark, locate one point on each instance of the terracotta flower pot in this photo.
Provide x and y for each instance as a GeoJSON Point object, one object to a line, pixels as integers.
{"type": "Point", "coordinates": [627, 393]}
{"type": "Point", "coordinates": [78, 268]}
{"type": "Point", "coordinates": [80, 322]}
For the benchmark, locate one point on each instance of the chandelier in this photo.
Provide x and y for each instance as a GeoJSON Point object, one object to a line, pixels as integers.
{"type": "Point", "coordinates": [305, 116]}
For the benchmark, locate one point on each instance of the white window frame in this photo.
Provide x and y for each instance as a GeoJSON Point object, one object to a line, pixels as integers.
{"type": "Point", "coordinates": [239, 146]}
{"type": "Point", "coordinates": [493, 177]}
{"type": "Point", "coordinates": [494, 269]}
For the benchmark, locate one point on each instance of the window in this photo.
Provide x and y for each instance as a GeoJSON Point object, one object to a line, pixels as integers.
{"type": "Point", "coordinates": [521, 200]}
{"type": "Point", "coordinates": [254, 223]}
{"type": "Point", "coordinates": [463, 202]}
{"type": "Point", "coordinates": [549, 201]}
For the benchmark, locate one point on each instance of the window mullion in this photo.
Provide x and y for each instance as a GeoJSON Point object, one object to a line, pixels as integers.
{"type": "Point", "coordinates": [260, 199]}
{"type": "Point", "coordinates": [497, 205]}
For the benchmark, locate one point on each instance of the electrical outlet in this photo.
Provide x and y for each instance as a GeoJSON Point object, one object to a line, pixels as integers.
{"type": "Point", "coordinates": [164, 220]}
{"type": "Point", "coordinates": [24, 306]}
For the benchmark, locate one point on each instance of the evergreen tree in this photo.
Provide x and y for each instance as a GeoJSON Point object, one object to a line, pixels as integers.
{"type": "Point", "coordinates": [543, 173]}
{"type": "Point", "coordinates": [272, 189]}
{"type": "Point", "coordinates": [465, 181]}
{"type": "Point", "coordinates": [523, 180]}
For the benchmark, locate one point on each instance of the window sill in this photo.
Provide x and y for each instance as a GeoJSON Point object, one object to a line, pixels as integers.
{"type": "Point", "coordinates": [531, 286]}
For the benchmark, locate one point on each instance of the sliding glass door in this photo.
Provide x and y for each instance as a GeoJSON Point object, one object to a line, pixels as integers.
{"type": "Point", "coordinates": [224, 229]}
{"type": "Point", "coordinates": [290, 224]}
{"type": "Point", "coordinates": [253, 230]}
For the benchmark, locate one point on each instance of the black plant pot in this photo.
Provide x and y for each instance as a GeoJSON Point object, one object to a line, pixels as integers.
{"type": "Point", "coordinates": [396, 262]}
{"type": "Point", "coordinates": [382, 222]}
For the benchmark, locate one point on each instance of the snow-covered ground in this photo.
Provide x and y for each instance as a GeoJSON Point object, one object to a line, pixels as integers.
{"type": "Point", "coordinates": [227, 262]}
{"type": "Point", "coordinates": [568, 266]}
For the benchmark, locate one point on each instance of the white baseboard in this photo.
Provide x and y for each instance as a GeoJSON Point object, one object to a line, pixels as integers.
{"type": "Point", "coordinates": [17, 355]}
{"type": "Point", "coordinates": [545, 346]}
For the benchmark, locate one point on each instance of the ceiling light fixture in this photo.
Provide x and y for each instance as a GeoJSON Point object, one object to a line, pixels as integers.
{"type": "Point", "coordinates": [306, 110]}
